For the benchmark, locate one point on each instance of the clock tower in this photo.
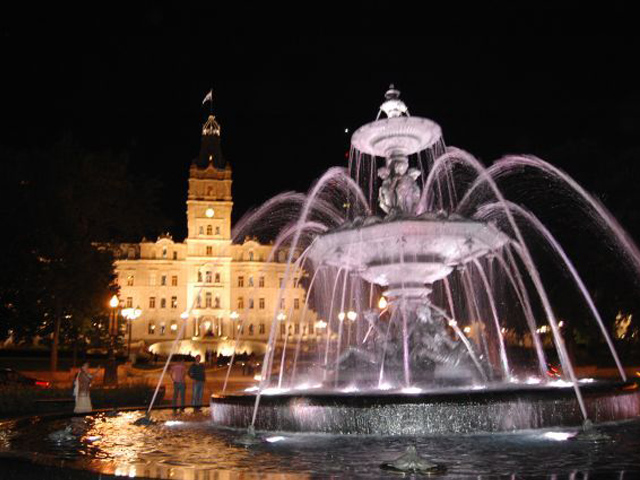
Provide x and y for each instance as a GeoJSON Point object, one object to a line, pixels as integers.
{"type": "Point", "coordinates": [209, 205]}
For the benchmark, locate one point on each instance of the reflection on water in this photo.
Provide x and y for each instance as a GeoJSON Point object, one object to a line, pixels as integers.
{"type": "Point", "coordinates": [188, 447]}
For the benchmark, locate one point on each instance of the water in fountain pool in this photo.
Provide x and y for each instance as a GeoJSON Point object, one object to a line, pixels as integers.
{"type": "Point", "coordinates": [189, 446]}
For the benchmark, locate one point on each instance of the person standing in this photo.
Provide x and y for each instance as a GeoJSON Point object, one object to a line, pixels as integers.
{"type": "Point", "coordinates": [81, 388]}
{"type": "Point", "coordinates": [197, 373]}
{"type": "Point", "coordinates": [178, 373]}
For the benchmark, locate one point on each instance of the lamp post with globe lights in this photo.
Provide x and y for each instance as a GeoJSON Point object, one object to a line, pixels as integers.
{"type": "Point", "coordinates": [130, 314]}
{"type": "Point", "coordinates": [111, 368]}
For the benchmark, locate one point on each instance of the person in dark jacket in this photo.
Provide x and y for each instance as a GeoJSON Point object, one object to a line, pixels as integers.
{"type": "Point", "coordinates": [197, 374]}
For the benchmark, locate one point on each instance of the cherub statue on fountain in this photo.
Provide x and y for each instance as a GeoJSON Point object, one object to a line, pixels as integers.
{"type": "Point", "coordinates": [399, 193]}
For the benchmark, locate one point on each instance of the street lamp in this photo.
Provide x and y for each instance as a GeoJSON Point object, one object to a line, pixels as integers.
{"type": "Point", "coordinates": [111, 369]}
{"type": "Point", "coordinates": [382, 303]}
{"type": "Point", "coordinates": [130, 314]}
{"type": "Point", "coordinates": [234, 316]}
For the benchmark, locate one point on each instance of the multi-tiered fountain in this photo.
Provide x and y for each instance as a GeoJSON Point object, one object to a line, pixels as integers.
{"type": "Point", "coordinates": [418, 263]}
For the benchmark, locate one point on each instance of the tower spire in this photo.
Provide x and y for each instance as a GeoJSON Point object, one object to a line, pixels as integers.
{"type": "Point", "coordinates": [210, 151]}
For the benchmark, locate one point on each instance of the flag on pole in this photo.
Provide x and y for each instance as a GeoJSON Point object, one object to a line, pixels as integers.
{"type": "Point", "coordinates": [208, 97]}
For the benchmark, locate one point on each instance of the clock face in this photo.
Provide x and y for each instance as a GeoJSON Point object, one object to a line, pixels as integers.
{"type": "Point", "coordinates": [209, 212]}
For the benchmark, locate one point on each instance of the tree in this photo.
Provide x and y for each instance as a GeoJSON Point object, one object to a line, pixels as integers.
{"type": "Point", "coordinates": [58, 205]}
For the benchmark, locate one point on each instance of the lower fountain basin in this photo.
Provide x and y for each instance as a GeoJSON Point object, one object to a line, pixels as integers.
{"type": "Point", "coordinates": [495, 410]}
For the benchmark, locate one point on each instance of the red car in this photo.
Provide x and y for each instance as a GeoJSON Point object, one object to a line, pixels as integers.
{"type": "Point", "coordinates": [9, 376]}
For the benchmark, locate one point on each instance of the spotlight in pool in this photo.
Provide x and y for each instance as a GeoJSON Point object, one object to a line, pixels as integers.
{"type": "Point", "coordinates": [560, 383]}
{"type": "Point", "coordinates": [559, 436]}
{"type": "Point", "coordinates": [173, 423]}
{"type": "Point", "coordinates": [274, 439]}
{"type": "Point", "coordinates": [411, 390]}
{"type": "Point", "coordinates": [350, 389]}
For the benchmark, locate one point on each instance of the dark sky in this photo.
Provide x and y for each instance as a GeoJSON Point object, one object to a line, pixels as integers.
{"type": "Point", "coordinates": [134, 80]}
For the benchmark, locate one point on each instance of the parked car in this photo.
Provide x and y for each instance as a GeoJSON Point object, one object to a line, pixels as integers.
{"type": "Point", "coordinates": [9, 376]}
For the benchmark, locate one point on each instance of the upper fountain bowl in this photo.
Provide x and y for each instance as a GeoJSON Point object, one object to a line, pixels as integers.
{"type": "Point", "coordinates": [396, 136]}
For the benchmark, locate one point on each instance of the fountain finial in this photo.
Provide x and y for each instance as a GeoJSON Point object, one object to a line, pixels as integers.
{"type": "Point", "coordinates": [393, 106]}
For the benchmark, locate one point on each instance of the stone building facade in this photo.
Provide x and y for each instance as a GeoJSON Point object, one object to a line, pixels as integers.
{"type": "Point", "coordinates": [227, 290]}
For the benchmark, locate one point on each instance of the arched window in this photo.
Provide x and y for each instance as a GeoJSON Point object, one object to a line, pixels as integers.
{"type": "Point", "coordinates": [209, 230]}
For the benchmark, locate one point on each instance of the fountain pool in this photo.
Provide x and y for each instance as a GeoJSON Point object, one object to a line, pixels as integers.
{"type": "Point", "coordinates": [189, 447]}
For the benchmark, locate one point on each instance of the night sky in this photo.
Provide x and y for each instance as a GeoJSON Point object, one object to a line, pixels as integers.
{"type": "Point", "coordinates": [134, 81]}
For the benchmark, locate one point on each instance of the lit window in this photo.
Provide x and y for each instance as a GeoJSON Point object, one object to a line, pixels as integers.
{"type": "Point", "coordinates": [296, 303]}
{"type": "Point", "coordinates": [201, 230]}
{"type": "Point", "coordinates": [261, 328]}
{"type": "Point", "coordinates": [251, 303]}
{"type": "Point", "coordinates": [152, 328]}
{"type": "Point", "coordinates": [241, 281]}
{"type": "Point", "coordinates": [217, 230]}
{"type": "Point", "coordinates": [130, 281]}
{"type": "Point", "coordinates": [240, 303]}
{"type": "Point", "coordinates": [261, 303]}
{"type": "Point", "coordinates": [209, 230]}
{"type": "Point", "coordinates": [208, 277]}
{"type": "Point", "coordinates": [163, 303]}
{"type": "Point", "coordinates": [152, 302]}
{"type": "Point", "coordinates": [199, 276]}
{"type": "Point", "coordinates": [217, 302]}
{"type": "Point", "coordinates": [174, 280]}
{"type": "Point", "coordinates": [251, 256]}
{"type": "Point", "coordinates": [251, 281]}
{"type": "Point", "coordinates": [164, 252]}
{"type": "Point", "coordinates": [163, 280]}
{"type": "Point", "coordinates": [175, 255]}
{"type": "Point", "coordinates": [297, 328]}
{"type": "Point", "coordinates": [174, 302]}
{"type": "Point", "coordinates": [217, 278]}
{"type": "Point", "coordinates": [251, 329]}
{"type": "Point", "coordinates": [209, 251]}
{"type": "Point", "coordinates": [129, 303]}
{"type": "Point", "coordinates": [207, 300]}
{"type": "Point", "coordinates": [261, 282]}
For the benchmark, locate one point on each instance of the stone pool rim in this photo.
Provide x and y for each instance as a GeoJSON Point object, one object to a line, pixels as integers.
{"type": "Point", "coordinates": [445, 412]}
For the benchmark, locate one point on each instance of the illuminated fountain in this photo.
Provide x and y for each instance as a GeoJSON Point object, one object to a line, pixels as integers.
{"type": "Point", "coordinates": [418, 270]}
{"type": "Point", "coordinates": [415, 258]}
